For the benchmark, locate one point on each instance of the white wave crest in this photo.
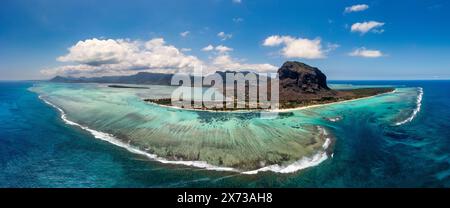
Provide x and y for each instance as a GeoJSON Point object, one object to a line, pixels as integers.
{"type": "Point", "coordinates": [111, 139]}
{"type": "Point", "coordinates": [415, 111]}
{"type": "Point", "coordinates": [303, 163]}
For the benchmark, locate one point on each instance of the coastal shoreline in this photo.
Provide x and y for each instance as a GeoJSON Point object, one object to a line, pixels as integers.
{"type": "Point", "coordinates": [415, 111]}
{"type": "Point", "coordinates": [337, 102]}
{"type": "Point", "coordinates": [300, 164]}
{"type": "Point", "coordinates": [269, 111]}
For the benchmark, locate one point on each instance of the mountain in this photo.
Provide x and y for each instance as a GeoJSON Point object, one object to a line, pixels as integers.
{"type": "Point", "coordinates": [139, 78]}
{"type": "Point", "coordinates": [299, 81]}
{"type": "Point", "coordinates": [302, 76]}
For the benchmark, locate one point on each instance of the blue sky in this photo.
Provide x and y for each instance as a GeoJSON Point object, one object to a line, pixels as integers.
{"type": "Point", "coordinates": [393, 40]}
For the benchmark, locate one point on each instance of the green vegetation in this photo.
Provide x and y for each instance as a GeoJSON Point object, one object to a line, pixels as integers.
{"type": "Point", "coordinates": [341, 95]}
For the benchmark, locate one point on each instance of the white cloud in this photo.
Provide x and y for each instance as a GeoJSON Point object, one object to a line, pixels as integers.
{"type": "Point", "coordinates": [223, 49]}
{"type": "Point", "coordinates": [364, 27]}
{"type": "Point", "coordinates": [220, 49]}
{"type": "Point", "coordinates": [225, 62]}
{"type": "Point", "coordinates": [186, 49]}
{"type": "Point", "coordinates": [356, 8]}
{"type": "Point", "coordinates": [104, 57]}
{"type": "Point", "coordinates": [208, 48]}
{"type": "Point", "coordinates": [97, 52]}
{"type": "Point", "coordinates": [99, 57]}
{"type": "Point", "coordinates": [274, 40]}
{"type": "Point", "coordinates": [363, 52]}
{"type": "Point", "coordinates": [238, 19]}
{"type": "Point", "coordinates": [69, 70]}
{"type": "Point", "coordinates": [185, 33]}
{"type": "Point", "coordinates": [299, 47]}
{"type": "Point", "coordinates": [224, 36]}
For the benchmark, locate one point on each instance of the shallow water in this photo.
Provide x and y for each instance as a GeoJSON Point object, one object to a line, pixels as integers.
{"type": "Point", "coordinates": [39, 149]}
{"type": "Point", "coordinates": [242, 141]}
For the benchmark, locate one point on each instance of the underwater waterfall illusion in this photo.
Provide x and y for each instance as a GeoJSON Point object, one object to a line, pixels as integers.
{"type": "Point", "coordinates": [229, 141]}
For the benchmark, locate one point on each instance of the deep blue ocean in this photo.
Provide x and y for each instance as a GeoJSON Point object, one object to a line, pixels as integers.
{"type": "Point", "coordinates": [37, 149]}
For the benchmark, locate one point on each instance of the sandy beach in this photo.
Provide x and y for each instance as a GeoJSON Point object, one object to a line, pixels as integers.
{"type": "Point", "coordinates": [275, 110]}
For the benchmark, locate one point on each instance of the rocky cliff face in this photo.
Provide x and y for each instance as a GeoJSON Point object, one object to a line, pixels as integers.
{"type": "Point", "coordinates": [304, 77]}
{"type": "Point", "coordinates": [299, 81]}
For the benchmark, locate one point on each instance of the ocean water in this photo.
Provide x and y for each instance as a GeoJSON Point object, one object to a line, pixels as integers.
{"type": "Point", "coordinates": [385, 141]}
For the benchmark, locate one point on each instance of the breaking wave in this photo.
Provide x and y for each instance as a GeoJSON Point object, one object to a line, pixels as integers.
{"type": "Point", "coordinates": [415, 111]}
{"type": "Point", "coordinates": [303, 163]}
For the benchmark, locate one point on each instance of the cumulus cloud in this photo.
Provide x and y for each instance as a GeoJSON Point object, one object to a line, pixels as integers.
{"type": "Point", "coordinates": [104, 57]}
{"type": "Point", "coordinates": [363, 52]}
{"type": "Point", "coordinates": [223, 49]}
{"type": "Point", "coordinates": [356, 8]}
{"type": "Point", "coordinates": [185, 33]}
{"type": "Point", "coordinates": [94, 56]}
{"type": "Point", "coordinates": [225, 62]}
{"type": "Point", "coordinates": [220, 49]}
{"type": "Point", "coordinates": [97, 52]}
{"type": "Point", "coordinates": [364, 27]}
{"type": "Point", "coordinates": [274, 40]}
{"type": "Point", "coordinates": [224, 36]}
{"type": "Point", "coordinates": [299, 47]}
{"type": "Point", "coordinates": [208, 48]}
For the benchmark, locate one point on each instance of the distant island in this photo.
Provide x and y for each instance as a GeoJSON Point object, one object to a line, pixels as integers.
{"type": "Point", "coordinates": [139, 78]}
{"type": "Point", "coordinates": [300, 85]}
{"type": "Point", "coordinates": [126, 86]}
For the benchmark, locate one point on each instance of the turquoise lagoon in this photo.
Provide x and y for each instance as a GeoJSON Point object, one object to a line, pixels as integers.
{"type": "Point", "coordinates": [241, 142]}
{"type": "Point", "coordinates": [39, 149]}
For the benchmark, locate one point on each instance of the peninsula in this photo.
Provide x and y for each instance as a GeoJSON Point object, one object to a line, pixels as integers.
{"type": "Point", "coordinates": [301, 85]}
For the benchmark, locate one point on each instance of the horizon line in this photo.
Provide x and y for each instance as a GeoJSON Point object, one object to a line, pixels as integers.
{"type": "Point", "coordinates": [425, 79]}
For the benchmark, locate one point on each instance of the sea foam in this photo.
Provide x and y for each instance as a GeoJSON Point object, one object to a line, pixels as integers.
{"type": "Point", "coordinates": [303, 163]}
{"type": "Point", "coordinates": [415, 111]}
